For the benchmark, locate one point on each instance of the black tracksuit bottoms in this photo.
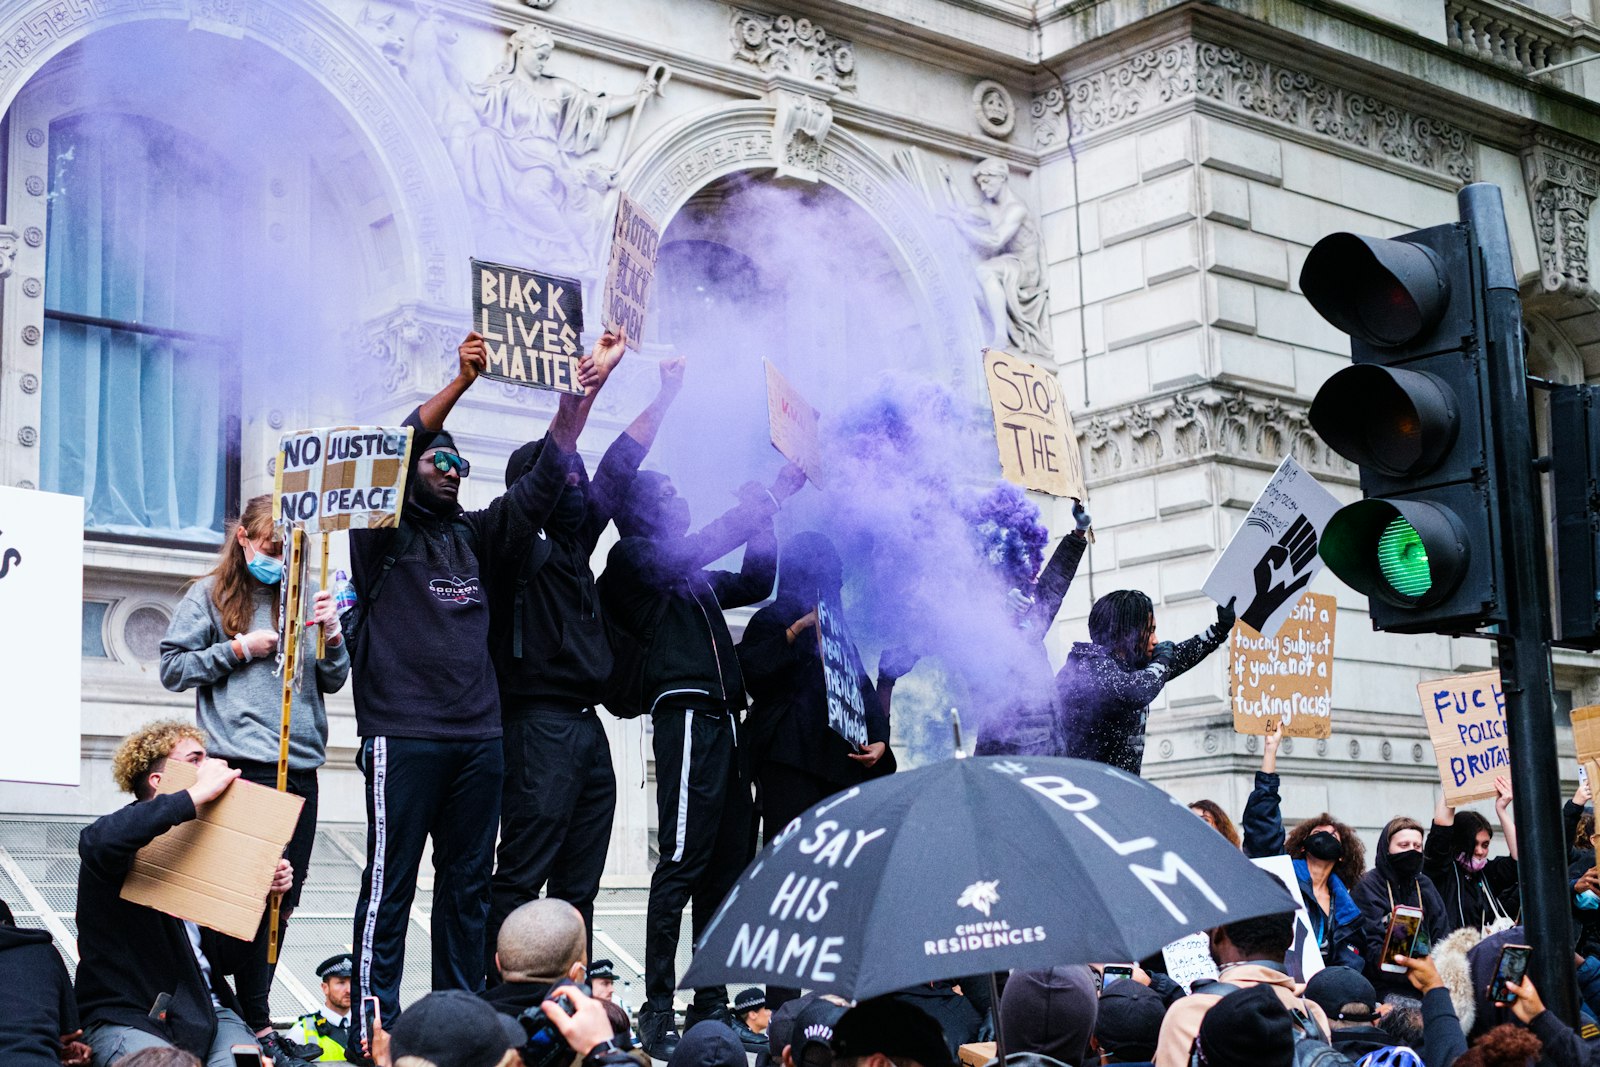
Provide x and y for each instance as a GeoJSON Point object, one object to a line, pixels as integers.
{"type": "Point", "coordinates": [419, 788]}
{"type": "Point", "coordinates": [556, 809]}
{"type": "Point", "coordinates": [706, 836]}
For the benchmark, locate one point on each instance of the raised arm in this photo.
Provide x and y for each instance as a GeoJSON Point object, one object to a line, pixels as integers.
{"type": "Point", "coordinates": [1056, 578]}
{"type": "Point", "coordinates": [647, 423]}
{"type": "Point", "coordinates": [1262, 822]}
{"type": "Point", "coordinates": [472, 357]}
{"type": "Point", "coordinates": [1502, 808]}
{"type": "Point", "coordinates": [1438, 847]}
{"type": "Point", "coordinates": [609, 487]}
{"type": "Point", "coordinates": [1186, 654]}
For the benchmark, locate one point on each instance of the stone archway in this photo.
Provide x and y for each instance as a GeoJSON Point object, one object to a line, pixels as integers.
{"type": "Point", "coordinates": [423, 187]}
{"type": "Point", "coordinates": [696, 150]}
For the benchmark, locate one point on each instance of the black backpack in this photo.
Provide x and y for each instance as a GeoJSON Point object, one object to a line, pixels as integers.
{"type": "Point", "coordinates": [1311, 1047]}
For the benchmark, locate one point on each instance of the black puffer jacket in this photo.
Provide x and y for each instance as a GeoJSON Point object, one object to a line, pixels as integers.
{"type": "Point", "coordinates": [1105, 703]}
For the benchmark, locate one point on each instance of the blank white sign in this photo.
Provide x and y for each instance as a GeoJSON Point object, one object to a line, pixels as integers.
{"type": "Point", "coordinates": [41, 629]}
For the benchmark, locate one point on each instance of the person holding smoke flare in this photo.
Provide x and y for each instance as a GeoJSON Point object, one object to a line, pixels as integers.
{"type": "Point", "coordinates": [1108, 682]}
{"type": "Point", "coordinates": [1013, 542]}
{"type": "Point", "coordinates": [657, 590]}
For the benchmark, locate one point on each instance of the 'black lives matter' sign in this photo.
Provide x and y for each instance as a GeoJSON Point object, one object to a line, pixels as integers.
{"type": "Point", "coordinates": [533, 324]}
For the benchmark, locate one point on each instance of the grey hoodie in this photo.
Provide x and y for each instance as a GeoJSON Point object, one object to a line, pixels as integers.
{"type": "Point", "coordinates": [239, 704]}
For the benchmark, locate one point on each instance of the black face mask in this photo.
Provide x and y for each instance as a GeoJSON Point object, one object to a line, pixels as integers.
{"type": "Point", "coordinates": [1324, 846]}
{"type": "Point", "coordinates": [1407, 865]}
{"type": "Point", "coordinates": [569, 510]}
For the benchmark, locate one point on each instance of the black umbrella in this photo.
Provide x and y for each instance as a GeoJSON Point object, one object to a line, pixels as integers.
{"type": "Point", "coordinates": [976, 865]}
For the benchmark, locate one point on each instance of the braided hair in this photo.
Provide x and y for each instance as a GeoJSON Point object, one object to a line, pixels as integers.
{"type": "Point", "coordinates": [1120, 623]}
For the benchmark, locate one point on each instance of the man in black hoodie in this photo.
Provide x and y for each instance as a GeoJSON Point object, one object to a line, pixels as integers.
{"type": "Point", "coordinates": [427, 704]}
{"type": "Point", "coordinates": [656, 588]}
{"type": "Point", "coordinates": [540, 944]}
{"type": "Point", "coordinates": [548, 638]}
{"type": "Point", "coordinates": [146, 979]}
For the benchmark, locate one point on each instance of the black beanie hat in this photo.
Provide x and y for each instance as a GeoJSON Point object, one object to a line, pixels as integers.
{"type": "Point", "coordinates": [1250, 1028]}
{"type": "Point", "coordinates": [422, 440]}
{"type": "Point", "coordinates": [1129, 1021]}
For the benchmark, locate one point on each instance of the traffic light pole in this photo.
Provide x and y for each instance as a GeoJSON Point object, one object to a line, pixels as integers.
{"type": "Point", "coordinates": [1524, 637]}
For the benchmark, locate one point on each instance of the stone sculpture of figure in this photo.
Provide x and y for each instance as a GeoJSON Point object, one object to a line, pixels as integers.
{"type": "Point", "coordinates": [519, 139]}
{"type": "Point", "coordinates": [1005, 238]}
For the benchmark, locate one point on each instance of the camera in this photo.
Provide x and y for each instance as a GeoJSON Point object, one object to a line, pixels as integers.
{"type": "Point", "coordinates": [545, 1047]}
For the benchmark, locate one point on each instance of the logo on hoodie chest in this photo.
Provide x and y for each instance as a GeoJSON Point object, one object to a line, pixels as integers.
{"type": "Point", "coordinates": [455, 590]}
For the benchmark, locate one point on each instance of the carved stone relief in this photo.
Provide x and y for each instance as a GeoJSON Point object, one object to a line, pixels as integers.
{"type": "Point", "coordinates": [800, 128]}
{"type": "Point", "coordinates": [1563, 179]}
{"type": "Point", "coordinates": [395, 351]}
{"type": "Point", "coordinates": [9, 240]}
{"type": "Point", "coordinates": [786, 44]}
{"type": "Point", "coordinates": [1181, 427]}
{"type": "Point", "coordinates": [1198, 69]}
{"type": "Point", "coordinates": [993, 109]}
{"type": "Point", "coordinates": [525, 143]}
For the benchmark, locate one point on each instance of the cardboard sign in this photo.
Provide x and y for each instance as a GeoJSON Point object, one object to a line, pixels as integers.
{"type": "Point", "coordinates": [847, 714]}
{"type": "Point", "coordinates": [635, 240]}
{"type": "Point", "coordinates": [344, 478]}
{"type": "Point", "coordinates": [1032, 427]}
{"type": "Point", "coordinates": [1305, 955]}
{"type": "Point", "coordinates": [1586, 740]}
{"type": "Point", "coordinates": [532, 324]}
{"type": "Point", "coordinates": [216, 869]}
{"type": "Point", "coordinates": [41, 611]}
{"type": "Point", "coordinates": [1274, 556]}
{"type": "Point", "coordinates": [1288, 677]}
{"type": "Point", "coordinates": [1466, 717]}
{"type": "Point", "coordinates": [792, 424]}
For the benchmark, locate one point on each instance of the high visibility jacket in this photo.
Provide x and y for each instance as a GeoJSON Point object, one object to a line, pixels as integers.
{"type": "Point", "coordinates": [315, 1029]}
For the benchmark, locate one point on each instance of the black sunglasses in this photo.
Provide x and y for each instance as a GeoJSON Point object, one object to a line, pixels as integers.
{"type": "Point", "coordinates": [446, 461]}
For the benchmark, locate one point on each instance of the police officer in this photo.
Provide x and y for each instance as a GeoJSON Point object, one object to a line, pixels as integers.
{"type": "Point", "coordinates": [328, 1028]}
{"type": "Point", "coordinates": [603, 979]}
{"type": "Point", "coordinates": [751, 1016]}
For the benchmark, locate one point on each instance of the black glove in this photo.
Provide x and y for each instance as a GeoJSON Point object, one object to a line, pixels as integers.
{"type": "Point", "coordinates": [1225, 616]}
{"type": "Point", "coordinates": [896, 662]}
{"type": "Point", "coordinates": [1164, 654]}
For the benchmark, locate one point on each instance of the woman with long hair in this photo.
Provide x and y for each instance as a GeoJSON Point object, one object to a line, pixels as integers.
{"type": "Point", "coordinates": [222, 643]}
{"type": "Point", "coordinates": [1328, 858]}
{"type": "Point", "coordinates": [1211, 813]}
{"type": "Point", "coordinates": [1105, 689]}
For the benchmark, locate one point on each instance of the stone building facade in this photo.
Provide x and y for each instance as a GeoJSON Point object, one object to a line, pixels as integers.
{"type": "Point", "coordinates": [1163, 169]}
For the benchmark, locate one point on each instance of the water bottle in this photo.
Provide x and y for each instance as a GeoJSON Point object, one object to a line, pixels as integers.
{"type": "Point", "coordinates": [344, 593]}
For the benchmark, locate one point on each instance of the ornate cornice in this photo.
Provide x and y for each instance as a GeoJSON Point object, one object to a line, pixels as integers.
{"type": "Point", "coordinates": [1208, 422]}
{"type": "Point", "coordinates": [793, 44]}
{"type": "Point", "coordinates": [1563, 178]}
{"type": "Point", "coordinates": [1198, 70]}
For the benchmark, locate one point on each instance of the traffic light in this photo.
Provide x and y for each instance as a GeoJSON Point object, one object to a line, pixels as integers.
{"type": "Point", "coordinates": [1575, 499]}
{"type": "Point", "coordinates": [1412, 413]}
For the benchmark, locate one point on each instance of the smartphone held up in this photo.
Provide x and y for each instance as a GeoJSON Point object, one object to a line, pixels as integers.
{"type": "Point", "coordinates": [1404, 922]}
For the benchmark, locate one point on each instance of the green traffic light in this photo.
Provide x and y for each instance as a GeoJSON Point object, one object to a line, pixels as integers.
{"type": "Point", "coordinates": [1403, 559]}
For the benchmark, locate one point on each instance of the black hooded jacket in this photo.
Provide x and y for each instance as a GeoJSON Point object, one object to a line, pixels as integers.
{"type": "Point", "coordinates": [788, 721]}
{"type": "Point", "coordinates": [130, 954]}
{"type": "Point", "coordinates": [1471, 898]}
{"type": "Point", "coordinates": [422, 666]}
{"type": "Point", "coordinates": [1105, 705]}
{"type": "Point", "coordinates": [658, 588]}
{"type": "Point", "coordinates": [36, 1002]}
{"type": "Point", "coordinates": [546, 627]}
{"type": "Point", "coordinates": [1377, 894]}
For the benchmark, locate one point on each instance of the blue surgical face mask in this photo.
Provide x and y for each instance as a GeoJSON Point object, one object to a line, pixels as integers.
{"type": "Point", "coordinates": [268, 571]}
{"type": "Point", "coordinates": [1587, 901]}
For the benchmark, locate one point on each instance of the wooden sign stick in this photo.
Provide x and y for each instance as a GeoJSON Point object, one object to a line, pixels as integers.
{"type": "Point", "coordinates": [322, 636]}
{"type": "Point", "coordinates": [294, 550]}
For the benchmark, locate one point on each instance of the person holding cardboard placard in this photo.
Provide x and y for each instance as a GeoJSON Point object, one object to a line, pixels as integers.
{"type": "Point", "coordinates": [220, 643]}
{"type": "Point", "coordinates": [1476, 889]}
{"type": "Point", "coordinates": [547, 633]}
{"type": "Point", "coordinates": [146, 979]}
{"type": "Point", "coordinates": [1106, 686]}
{"type": "Point", "coordinates": [656, 588]}
{"type": "Point", "coordinates": [429, 721]}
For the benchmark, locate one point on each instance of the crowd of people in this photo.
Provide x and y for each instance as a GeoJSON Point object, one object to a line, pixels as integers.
{"type": "Point", "coordinates": [481, 649]}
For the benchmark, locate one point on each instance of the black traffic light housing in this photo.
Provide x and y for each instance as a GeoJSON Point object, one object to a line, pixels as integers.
{"type": "Point", "coordinates": [1575, 499]}
{"type": "Point", "coordinates": [1411, 412]}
